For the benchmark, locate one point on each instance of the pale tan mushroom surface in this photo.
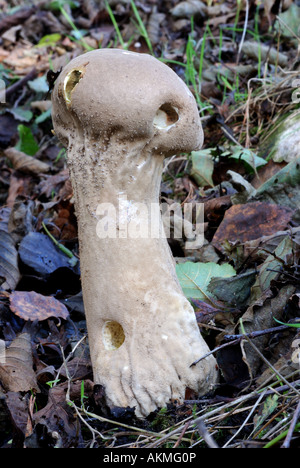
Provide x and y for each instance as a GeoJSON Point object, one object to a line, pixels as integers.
{"type": "Point", "coordinates": [120, 114]}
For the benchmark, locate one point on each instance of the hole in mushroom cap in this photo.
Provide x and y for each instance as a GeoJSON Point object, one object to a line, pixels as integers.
{"type": "Point", "coordinates": [71, 80]}
{"type": "Point", "coordinates": [165, 117]}
{"type": "Point", "coordinates": [112, 335]}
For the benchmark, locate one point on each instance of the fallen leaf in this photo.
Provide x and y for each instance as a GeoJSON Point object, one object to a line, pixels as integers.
{"type": "Point", "coordinates": [272, 266]}
{"type": "Point", "coordinates": [38, 251]}
{"type": "Point", "coordinates": [195, 277]}
{"type": "Point", "coordinates": [283, 188]}
{"type": "Point", "coordinates": [189, 9]}
{"type": "Point", "coordinates": [259, 51]}
{"type": "Point", "coordinates": [251, 221]}
{"type": "Point", "coordinates": [266, 409]}
{"type": "Point", "coordinates": [33, 306]}
{"type": "Point", "coordinates": [27, 143]}
{"type": "Point", "coordinates": [57, 418]}
{"type": "Point", "coordinates": [234, 291]}
{"type": "Point", "coordinates": [202, 168]}
{"type": "Point", "coordinates": [19, 413]}
{"type": "Point", "coordinates": [259, 316]}
{"type": "Point", "coordinates": [25, 163]}
{"type": "Point", "coordinates": [16, 373]}
{"type": "Point", "coordinates": [9, 268]}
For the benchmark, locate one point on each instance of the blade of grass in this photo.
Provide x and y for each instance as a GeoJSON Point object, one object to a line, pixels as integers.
{"type": "Point", "coordinates": [281, 436]}
{"type": "Point", "coordinates": [115, 24]}
{"type": "Point", "coordinates": [141, 26]}
{"type": "Point", "coordinates": [74, 27]}
{"type": "Point", "coordinates": [65, 250]}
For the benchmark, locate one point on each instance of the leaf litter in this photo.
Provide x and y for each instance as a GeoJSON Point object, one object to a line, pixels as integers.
{"type": "Point", "coordinates": [240, 61]}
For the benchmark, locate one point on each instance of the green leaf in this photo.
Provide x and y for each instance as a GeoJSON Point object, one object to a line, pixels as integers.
{"type": "Point", "coordinates": [202, 167]}
{"type": "Point", "coordinates": [27, 143]}
{"type": "Point", "coordinates": [49, 40]}
{"type": "Point", "coordinates": [39, 85]}
{"type": "Point", "coordinates": [194, 278]}
{"type": "Point", "coordinates": [21, 114]}
{"type": "Point", "coordinates": [269, 407]}
{"type": "Point", "coordinates": [250, 159]}
{"type": "Point", "coordinates": [291, 18]}
{"type": "Point", "coordinates": [44, 116]}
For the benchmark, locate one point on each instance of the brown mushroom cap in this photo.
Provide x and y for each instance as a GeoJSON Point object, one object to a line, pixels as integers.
{"type": "Point", "coordinates": [111, 90]}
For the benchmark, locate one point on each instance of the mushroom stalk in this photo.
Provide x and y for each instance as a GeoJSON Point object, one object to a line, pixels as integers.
{"type": "Point", "coordinates": [143, 334]}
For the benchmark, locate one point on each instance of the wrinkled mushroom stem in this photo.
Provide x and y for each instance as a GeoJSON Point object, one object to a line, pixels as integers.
{"type": "Point", "coordinates": [142, 331]}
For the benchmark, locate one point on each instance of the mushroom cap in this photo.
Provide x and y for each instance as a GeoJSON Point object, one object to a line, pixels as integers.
{"type": "Point", "coordinates": [111, 91]}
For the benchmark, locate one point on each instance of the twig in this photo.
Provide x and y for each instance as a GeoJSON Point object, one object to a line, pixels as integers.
{"type": "Point", "coordinates": [246, 420]}
{"type": "Point", "coordinates": [270, 365]}
{"type": "Point", "coordinates": [205, 434]}
{"type": "Point", "coordinates": [256, 334]}
{"type": "Point", "coordinates": [287, 440]}
{"type": "Point", "coordinates": [185, 428]}
{"type": "Point", "coordinates": [19, 84]}
{"type": "Point", "coordinates": [234, 339]}
{"type": "Point", "coordinates": [244, 32]}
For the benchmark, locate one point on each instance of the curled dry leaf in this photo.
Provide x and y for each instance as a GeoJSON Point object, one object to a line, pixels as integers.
{"type": "Point", "coordinates": [24, 163]}
{"type": "Point", "coordinates": [16, 370]}
{"type": "Point", "coordinates": [189, 9]}
{"type": "Point", "coordinates": [257, 50]}
{"type": "Point", "coordinates": [33, 306]}
{"type": "Point", "coordinates": [9, 269]}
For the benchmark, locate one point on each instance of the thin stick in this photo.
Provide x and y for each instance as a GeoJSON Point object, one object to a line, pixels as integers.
{"type": "Point", "coordinates": [19, 84]}
{"type": "Point", "coordinates": [244, 32]}
{"type": "Point", "coordinates": [205, 434]}
{"type": "Point", "coordinates": [185, 428]}
{"type": "Point", "coordinates": [287, 440]}
{"type": "Point", "coordinates": [234, 339]}
{"type": "Point", "coordinates": [270, 365]}
{"type": "Point", "coordinates": [246, 420]}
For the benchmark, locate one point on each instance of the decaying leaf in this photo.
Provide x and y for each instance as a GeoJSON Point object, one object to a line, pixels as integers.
{"type": "Point", "coordinates": [18, 408]}
{"type": "Point", "coordinates": [235, 290]}
{"type": "Point", "coordinates": [33, 306]}
{"type": "Point", "coordinates": [242, 223]}
{"type": "Point", "coordinates": [16, 372]}
{"type": "Point", "coordinates": [188, 9]}
{"type": "Point", "coordinates": [272, 266]}
{"type": "Point", "coordinates": [259, 316]}
{"type": "Point", "coordinates": [21, 219]}
{"type": "Point", "coordinates": [263, 52]}
{"type": "Point", "coordinates": [57, 419]}
{"type": "Point", "coordinates": [9, 269]}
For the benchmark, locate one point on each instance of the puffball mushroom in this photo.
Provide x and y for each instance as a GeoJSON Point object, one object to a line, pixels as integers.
{"type": "Point", "coordinates": [120, 114]}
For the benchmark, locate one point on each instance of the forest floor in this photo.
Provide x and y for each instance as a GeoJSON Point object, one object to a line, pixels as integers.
{"type": "Point", "coordinates": [241, 61]}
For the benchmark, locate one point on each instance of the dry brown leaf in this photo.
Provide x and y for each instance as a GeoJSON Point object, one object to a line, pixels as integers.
{"type": "Point", "coordinates": [19, 410]}
{"type": "Point", "coordinates": [33, 306]}
{"type": "Point", "coordinates": [25, 163]}
{"type": "Point", "coordinates": [9, 269]}
{"type": "Point", "coordinates": [16, 372]}
{"type": "Point", "coordinates": [23, 58]}
{"type": "Point", "coordinates": [243, 223]}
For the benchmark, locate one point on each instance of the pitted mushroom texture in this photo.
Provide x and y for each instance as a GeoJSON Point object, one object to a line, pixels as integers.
{"type": "Point", "coordinates": [120, 114]}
